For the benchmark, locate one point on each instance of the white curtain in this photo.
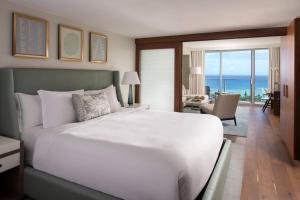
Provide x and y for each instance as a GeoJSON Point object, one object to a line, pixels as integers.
{"type": "Point", "coordinates": [274, 69]}
{"type": "Point", "coordinates": [197, 81]}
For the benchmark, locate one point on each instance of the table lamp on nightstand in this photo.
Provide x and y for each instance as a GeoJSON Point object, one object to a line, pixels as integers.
{"type": "Point", "coordinates": [130, 78]}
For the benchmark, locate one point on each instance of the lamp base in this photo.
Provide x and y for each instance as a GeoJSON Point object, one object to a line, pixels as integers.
{"type": "Point", "coordinates": [130, 98]}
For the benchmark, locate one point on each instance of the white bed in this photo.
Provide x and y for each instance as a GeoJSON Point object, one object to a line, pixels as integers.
{"type": "Point", "coordinates": [131, 154]}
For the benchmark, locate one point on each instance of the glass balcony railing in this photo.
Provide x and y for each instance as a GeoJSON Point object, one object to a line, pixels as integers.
{"type": "Point", "coordinates": [241, 85]}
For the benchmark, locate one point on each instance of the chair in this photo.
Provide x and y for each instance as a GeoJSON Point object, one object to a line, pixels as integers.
{"type": "Point", "coordinates": [268, 97]}
{"type": "Point", "coordinates": [207, 90]}
{"type": "Point", "coordinates": [268, 102]}
{"type": "Point", "coordinates": [224, 107]}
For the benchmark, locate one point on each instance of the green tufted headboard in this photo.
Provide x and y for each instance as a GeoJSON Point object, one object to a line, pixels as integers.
{"type": "Point", "coordinates": [30, 80]}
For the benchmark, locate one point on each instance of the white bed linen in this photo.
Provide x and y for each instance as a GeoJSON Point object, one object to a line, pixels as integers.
{"type": "Point", "coordinates": [135, 154]}
{"type": "Point", "coordinates": [31, 135]}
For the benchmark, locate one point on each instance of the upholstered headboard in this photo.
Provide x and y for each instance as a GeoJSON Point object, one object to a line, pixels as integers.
{"type": "Point", "coordinates": [30, 80]}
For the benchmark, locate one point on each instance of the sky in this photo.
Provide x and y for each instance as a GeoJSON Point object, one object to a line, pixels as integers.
{"type": "Point", "coordinates": [237, 62]}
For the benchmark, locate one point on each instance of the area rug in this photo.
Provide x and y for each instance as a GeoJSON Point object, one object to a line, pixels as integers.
{"type": "Point", "coordinates": [242, 117]}
{"type": "Point", "coordinates": [234, 178]}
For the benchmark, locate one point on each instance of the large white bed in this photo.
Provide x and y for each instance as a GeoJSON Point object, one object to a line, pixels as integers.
{"type": "Point", "coordinates": [131, 154]}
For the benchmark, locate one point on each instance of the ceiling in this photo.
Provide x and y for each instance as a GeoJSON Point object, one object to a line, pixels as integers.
{"type": "Point", "coordinates": [147, 18]}
{"type": "Point", "coordinates": [247, 43]}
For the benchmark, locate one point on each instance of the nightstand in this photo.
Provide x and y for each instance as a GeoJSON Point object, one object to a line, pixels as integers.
{"type": "Point", "coordinates": [11, 168]}
{"type": "Point", "coordinates": [138, 106]}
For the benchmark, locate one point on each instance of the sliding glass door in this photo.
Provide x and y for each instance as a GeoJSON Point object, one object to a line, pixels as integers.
{"type": "Point", "coordinates": [238, 71]}
{"type": "Point", "coordinates": [261, 75]}
{"type": "Point", "coordinates": [212, 71]}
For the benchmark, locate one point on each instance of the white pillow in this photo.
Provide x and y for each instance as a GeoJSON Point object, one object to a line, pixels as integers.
{"type": "Point", "coordinates": [29, 110]}
{"type": "Point", "coordinates": [57, 107]}
{"type": "Point", "coordinates": [112, 97]}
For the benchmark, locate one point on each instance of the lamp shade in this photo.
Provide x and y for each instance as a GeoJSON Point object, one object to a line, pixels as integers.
{"type": "Point", "coordinates": [130, 78]}
{"type": "Point", "coordinates": [196, 70]}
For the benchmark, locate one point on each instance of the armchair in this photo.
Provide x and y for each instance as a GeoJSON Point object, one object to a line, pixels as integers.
{"type": "Point", "coordinates": [224, 107]}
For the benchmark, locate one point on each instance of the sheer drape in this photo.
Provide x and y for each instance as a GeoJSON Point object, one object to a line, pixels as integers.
{"type": "Point", "coordinates": [197, 81]}
{"type": "Point", "coordinates": [274, 69]}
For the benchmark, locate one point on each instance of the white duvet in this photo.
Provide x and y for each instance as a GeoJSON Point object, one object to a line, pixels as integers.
{"type": "Point", "coordinates": [135, 155]}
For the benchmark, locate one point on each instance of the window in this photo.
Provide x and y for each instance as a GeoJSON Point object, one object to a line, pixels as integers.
{"type": "Point", "coordinates": [236, 73]}
{"type": "Point", "coordinates": [261, 74]}
{"type": "Point", "coordinates": [212, 71]}
{"type": "Point", "coordinates": [231, 71]}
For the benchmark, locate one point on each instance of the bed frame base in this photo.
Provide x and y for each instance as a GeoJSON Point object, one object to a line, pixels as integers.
{"type": "Point", "coordinates": [42, 186]}
{"type": "Point", "coordinates": [215, 186]}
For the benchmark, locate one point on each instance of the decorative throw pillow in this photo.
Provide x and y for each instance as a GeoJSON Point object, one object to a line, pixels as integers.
{"type": "Point", "coordinates": [112, 97]}
{"type": "Point", "coordinates": [90, 106]}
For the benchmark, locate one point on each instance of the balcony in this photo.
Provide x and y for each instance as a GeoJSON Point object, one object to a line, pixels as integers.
{"type": "Point", "coordinates": [239, 84]}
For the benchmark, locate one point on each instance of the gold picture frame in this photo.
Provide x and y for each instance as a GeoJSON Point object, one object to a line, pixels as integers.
{"type": "Point", "coordinates": [98, 47]}
{"type": "Point", "coordinates": [70, 43]}
{"type": "Point", "coordinates": [30, 36]}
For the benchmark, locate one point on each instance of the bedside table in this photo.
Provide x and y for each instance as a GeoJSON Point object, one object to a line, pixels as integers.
{"type": "Point", "coordinates": [11, 168]}
{"type": "Point", "coordinates": [138, 106]}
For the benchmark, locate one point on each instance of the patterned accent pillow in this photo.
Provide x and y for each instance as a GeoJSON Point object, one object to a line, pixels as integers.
{"type": "Point", "coordinates": [90, 106]}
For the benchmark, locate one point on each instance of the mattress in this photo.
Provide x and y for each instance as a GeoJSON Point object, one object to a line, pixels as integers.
{"type": "Point", "coordinates": [133, 154]}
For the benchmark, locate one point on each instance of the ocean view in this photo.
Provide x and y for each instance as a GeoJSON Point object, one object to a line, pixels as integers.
{"type": "Point", "coordinates": [237, 84]}
{"type": "Point", "coordinates": [236, 67]}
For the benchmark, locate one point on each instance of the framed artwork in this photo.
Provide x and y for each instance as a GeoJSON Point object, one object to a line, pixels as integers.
{"type": "Point", "coordinates": [70, 43]}
{"type": "Point", "coordinates": [30, 36]}
{"type": "Point", "coordinates": [98, 47]}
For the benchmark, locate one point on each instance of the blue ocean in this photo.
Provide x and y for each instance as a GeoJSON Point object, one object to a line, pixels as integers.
{"type": "Point", "coordinates": [237, 84]}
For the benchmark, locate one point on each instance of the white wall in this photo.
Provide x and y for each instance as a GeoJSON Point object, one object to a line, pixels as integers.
{"type": "Point", "coordinates": [121, 49]}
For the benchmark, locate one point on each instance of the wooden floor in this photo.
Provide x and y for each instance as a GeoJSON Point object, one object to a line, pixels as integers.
{"type": "Point", "coordinates": [269, 173]}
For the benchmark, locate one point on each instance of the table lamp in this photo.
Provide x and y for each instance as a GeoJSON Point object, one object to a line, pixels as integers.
{"type": "Point", "coordinates": [130, 78]}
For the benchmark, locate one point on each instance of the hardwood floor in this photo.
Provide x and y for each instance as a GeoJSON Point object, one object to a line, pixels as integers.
{"type": "Point", "coordinates": [269, 173]}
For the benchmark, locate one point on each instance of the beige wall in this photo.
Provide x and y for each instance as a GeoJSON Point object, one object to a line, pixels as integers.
{"type": "Point", "coordinates": [121, 49]}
